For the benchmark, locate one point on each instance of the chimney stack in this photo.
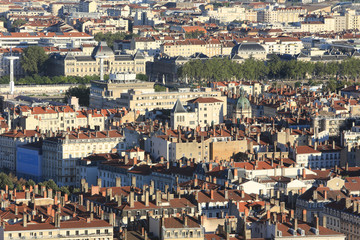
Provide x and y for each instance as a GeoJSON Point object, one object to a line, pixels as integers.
{"type": "Point", "coordinates": [146, 198]}
{"type": "Point", "coordinates": [131, 196]}
{"type": "Point", "coordinates": [99, 182]}
{"type": "Point", "coordinates": [133, 181]}
{"type": "Point", "coordinates": [295, 224]}
{"type": "Point", "coordinates": [304, 215]}
{"type": "Point", "coordinates": [24, 219]}
{"type": "Point", "coordinates": [118, 182]}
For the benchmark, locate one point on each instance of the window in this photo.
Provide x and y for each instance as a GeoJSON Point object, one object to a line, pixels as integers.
{"type": "Point", "coordinates": [97, 231]}
{"type": "Point", "coordinates": [67, 233]}
{"type": "Point", "coordinates": [76, 232]}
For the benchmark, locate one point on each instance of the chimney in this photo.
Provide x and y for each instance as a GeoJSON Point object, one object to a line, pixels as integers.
{"type": "Point", "coordinates": [131, 196]}
{"type": "Point", "coordinates": [316, 220]}
{"type": "Point", "coordinates": [212, 194]}
{"type": "Point", "coordinates": [348, 203]}
{"type": "Point", "coordinates": [242, 193]}
{"type": "Point", "coordinates": [133, 181]}
{"type": "Point", "coordinates": [16, 210]}
{"type": "Point", "coordinates": [158, 197]}
{"type": "Point", "coordinates": [324, 221]}
{"type": "Point", "coordinates": [146, 198]}
{"type": "Point", "coordinates": [118, 182]}
{"type": "Point", "coordinates": [295, 224]}
{"type": "Point", "coordinates": [304, 173]}
{"type": "Point", "coordinates": [185, 221]}
{"type": "Point", "coordinates": [304, 215]}
{"type": "Point", "coordinates": [325, 195]}
{"type": "Point", "coordinates": [282, 207]}
{"type": "Point", "coordinates": [99, 182]}
{"type": "Point", "coordinates": [355, 207]}
{"type": "Point", "coordinates": [315, 195]}
{"type": "Point", "coordinates": [50, 193]}
{"type": "Point", "coordinates": [24, 220]}
{"type": "Point", "coordinates": [226, 194]}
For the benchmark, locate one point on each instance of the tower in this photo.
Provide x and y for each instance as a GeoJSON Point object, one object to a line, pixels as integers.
{"type": "Point", "coordinates": [12, 83]}
{"type": "Point", "coordinates": [242, 108]}
{"type": "Point", "coordinates": [102, 66]}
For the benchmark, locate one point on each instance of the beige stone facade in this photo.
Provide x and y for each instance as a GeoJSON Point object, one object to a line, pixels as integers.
{"type": "Point", "coordinates": [60, 153]}
{"type": "Point", "coordinates": [71, 65]}
{"type": "Point", "coordinates": [201, 112]}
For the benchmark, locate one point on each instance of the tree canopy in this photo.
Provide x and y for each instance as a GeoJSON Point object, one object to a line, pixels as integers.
{"type": "Point", "coordinates": [110, 37]}
{"type": "Point", "coordinates": [33, 60]}
{"type": "Point", "coordinates": [18, 22]}
{"type": "Point", "coordinates": [142, 77]}
{"type": "Point", "coordinates": [218, 69]}
{"type": "Point", "coordinates": [194, 34]}
{"type": "Point", "coordinates": [82, 92]}
{"type": "Point", "coordinates": [37, 79]}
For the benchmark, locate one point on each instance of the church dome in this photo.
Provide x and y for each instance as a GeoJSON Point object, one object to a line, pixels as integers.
{"type": "Point", "coordinates": [247, 49]}
{"type": "Point", "coordinates": [243, 104]}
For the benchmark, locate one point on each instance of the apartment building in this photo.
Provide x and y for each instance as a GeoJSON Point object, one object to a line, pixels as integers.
{"type": "Point", "coordinates": [329, 125]}
{"type": "Point", "coordinates": [184, 227]}
{"type": "Point", "coordinates": [200, 112]}
{"type": "Point", "coordinates": [148, 45]}
{"type": "Point", "coordinates": [283, 226]}
{"type": "Point", "coordinates": [312, 202]}
{"type": "Point", "coordinates": [289, 14]}
{"type": "Point", "coordinates": [342, 216]}
{"type": "Point", "coordinates": [250, 88]}
{"type": "Point", "coordinates": [82, 229]}
{"type": "Point", "coordinates": [189, 47]}
{"type": "Point", "coordinates": [61, 152]}
{"type": "Point", "coordinates": [228, 14]}
{"type": "Point", "coordinates": [216, 143]}
{"type": "Point", "coordinates": [10, 141]}
{"type": "Point", "coordinates": [61, 118]}
{"type": "Point", "coordinates": [318, 155]}
{"type": "Point", "coordinates": [267, 15]}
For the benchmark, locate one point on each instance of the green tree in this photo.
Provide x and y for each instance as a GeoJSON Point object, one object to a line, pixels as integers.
{"type": "Point", "coordinates": [110, 37]}
{"type": "Point", "coordinates": [297, 84]}
{"type": "Point", "coordinates": [65, 190]}
{"type": "Point", "coordinates": [142, 77]}
{"type": "Point", "coordinates": [82, 92]}
{"type": "Point", "coordinates": [18, 22]}
{"type": "Point", "coordinates": [159, 88]}
{"type": "Point", "coordinates": [50, 184]}
{"type": "Point", "coordinates": [5, 180]}
{"type": "Point", "coordinates": [29, 183]}
{"type": "Point", "coordinates": [194, 34]}
{"type": "Point", "coordinates": [34, 59]}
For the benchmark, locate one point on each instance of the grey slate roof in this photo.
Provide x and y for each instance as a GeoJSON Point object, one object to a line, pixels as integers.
{"type": "Point", "coordinates": [178, 107]}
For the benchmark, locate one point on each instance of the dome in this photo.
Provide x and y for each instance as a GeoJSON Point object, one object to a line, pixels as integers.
{"type": "Point", "coordinates": [243, 104]}
{"type": "Point", "coordinates": [103, 50]}
{"type": "Point", "coordinates": [248, 49]}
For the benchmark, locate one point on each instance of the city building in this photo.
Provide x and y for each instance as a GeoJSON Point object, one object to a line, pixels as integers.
{"type": "Point", "coordinates": [199, 112]}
